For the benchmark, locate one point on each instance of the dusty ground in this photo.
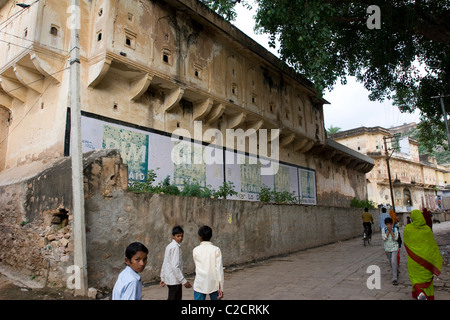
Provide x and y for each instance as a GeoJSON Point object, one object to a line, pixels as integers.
{"type": "Point", "coordinates": [15, 291]}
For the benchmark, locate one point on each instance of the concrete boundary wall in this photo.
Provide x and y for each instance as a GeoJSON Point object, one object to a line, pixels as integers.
{"type": "Point", "coordinates": [245, 231]}
{"type": "Point", "coordinates": [36, 224]}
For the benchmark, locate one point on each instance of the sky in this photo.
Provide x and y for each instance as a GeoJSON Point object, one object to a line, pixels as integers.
{"type": "Point", "coordinates": [349, 106]}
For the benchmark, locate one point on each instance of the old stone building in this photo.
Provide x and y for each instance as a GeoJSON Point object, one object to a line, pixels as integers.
{"type": "Point", "coordinates": [157, 67]}
{"type": "Point", "coordinates": [418, 181]}
{"type": "Point", "coordinates": [150, 69]}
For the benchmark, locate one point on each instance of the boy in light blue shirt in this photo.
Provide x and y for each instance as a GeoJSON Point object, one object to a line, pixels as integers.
{"type": "Point", "coordinates": [128, 285]}
{"type": "Point", "coordinates": [389, 235]}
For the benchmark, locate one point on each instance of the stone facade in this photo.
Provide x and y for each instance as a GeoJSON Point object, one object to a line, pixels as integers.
{"type": "Point", "coordinates": [417, 181]}
{"type": "Point", "coordinates": [158, 65]}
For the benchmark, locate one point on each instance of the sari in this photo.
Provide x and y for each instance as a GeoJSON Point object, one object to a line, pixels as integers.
{"type": "Point", "coordinates": [424, 258]}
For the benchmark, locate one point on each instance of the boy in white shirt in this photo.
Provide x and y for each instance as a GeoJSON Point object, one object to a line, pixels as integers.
{"type": "Point", "coordinates": [172, 268]}
{"type": "Point", "coordinates": [209, 276]}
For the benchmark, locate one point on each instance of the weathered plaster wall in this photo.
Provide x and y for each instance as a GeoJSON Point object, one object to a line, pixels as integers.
{"type": "Point", "coordinates": [36, 220]}
{"type": "Point", "coordinates": [244, 230]}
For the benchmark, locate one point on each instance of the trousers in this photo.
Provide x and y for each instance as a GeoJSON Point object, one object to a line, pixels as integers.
{"type": "Point", "coordinates": [392, 257]}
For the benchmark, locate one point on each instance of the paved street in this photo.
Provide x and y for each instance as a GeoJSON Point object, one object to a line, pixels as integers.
{"type": "Point", "coordinates": [335, 271]}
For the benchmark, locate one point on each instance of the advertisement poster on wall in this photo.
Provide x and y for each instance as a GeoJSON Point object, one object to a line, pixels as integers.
{"type": "Point", "coordinates": [144, 149]}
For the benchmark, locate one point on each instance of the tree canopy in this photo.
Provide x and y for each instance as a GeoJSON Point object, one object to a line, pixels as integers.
{"type": "Point", "coordinates": [405, 58]}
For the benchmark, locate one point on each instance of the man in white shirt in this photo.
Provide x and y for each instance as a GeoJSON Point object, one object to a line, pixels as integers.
{"type": "Point", "coordinates": [209, 275]}
{"type": "Point", "coordinates": [172, 268]}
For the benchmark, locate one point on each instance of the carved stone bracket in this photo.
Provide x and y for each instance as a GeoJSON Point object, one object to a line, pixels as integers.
{"type": "Point", "coordinates": [236, 120]}
{"type": "Point", "coordinates": [98, 70]}
{"type": "Point", "coordinates": [255, 125]}
{"type": "Point", "coordinates": [215, 113]}
{"type": "Point", "coordinates": [29, 77]}
{"type": "Point", "coordinates": [13, 87]}
{"type": "Point", "coordinates": [202, 109]}
{"type": "Point", "coordinates": [139, 86]}
{"type": "Point", "coordinates": [171, 98]}
{"type": "Point", "coordinates": [5, 100]}
{"type": "Point", "coordinates": [287, 140]}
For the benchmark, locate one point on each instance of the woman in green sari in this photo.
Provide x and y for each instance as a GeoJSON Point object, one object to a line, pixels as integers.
{"type": "Point", "coordinates": [424, 258]}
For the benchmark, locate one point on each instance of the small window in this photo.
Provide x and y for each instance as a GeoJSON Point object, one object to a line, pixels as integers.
{"type": "Point", "coordinates": [130, 39]}
{"type": "Point", "coordinates": [54, 30]}
{"type": "Point", "coordinates": [25, 33]}
{"type": "Point", "coordinates": [196, 73]}
{"type": "Point", "coordinates": [99, 36]}
{"type": "Point", "coordinates": [234, 89]}
{"type": "Point", "coordinates": [166, 56]}
{"type": "Point", "coordinates": [130, 17]}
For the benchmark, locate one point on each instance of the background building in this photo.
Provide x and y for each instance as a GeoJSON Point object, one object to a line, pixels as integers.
{"type": "Point", "coordinates": [418, 181]}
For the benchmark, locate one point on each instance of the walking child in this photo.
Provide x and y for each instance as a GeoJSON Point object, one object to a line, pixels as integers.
{"type": "Point", "coordinates": [209, 277]}
{"type": "Point", "coordinates": [128, 285]}
{"type": "Point", "coordinates": [390, 236]}
{"type": "Point", "coordinates": [172, 268]}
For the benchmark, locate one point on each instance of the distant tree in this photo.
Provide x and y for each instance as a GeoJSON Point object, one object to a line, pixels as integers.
{"type": "Point", "coordinates": [332, 130]}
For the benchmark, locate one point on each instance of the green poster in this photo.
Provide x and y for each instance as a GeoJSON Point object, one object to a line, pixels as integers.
{"type": "Point", "coordinates": [189, 167]}
{"type": "Point", "coordinates": [251, 178]}
{"type": "Point", "coordinates": [282, 179]}
{"type": "Point", "coordinates": [133, 147]}
{"type": "Point", "coordinates": [308, 186]}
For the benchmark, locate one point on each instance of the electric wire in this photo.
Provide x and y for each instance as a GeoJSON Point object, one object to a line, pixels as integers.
{"type": "Point", "coordinates": [17, 14]}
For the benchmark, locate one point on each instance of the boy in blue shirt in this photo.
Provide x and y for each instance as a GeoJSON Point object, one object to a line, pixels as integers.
{"type": "Point", "coordinates": [128, 285]}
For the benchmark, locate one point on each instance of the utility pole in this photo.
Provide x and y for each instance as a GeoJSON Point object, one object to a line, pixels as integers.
{"type": "Point", "coordinates": [389, 171]}
{"type": "Point", "coordinates": [79, 228]}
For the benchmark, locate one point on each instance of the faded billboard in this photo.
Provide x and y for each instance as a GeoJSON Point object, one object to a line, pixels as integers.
{"type": "Point", "coordinates": [185, 161]}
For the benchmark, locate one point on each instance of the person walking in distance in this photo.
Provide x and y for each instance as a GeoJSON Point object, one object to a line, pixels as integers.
{"type": "Point", "coordinates": [389, 235]}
